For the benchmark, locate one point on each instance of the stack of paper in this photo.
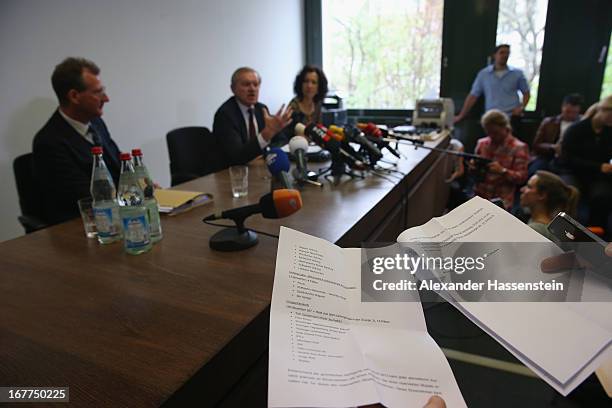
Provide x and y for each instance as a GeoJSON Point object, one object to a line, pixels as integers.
{"type": "Point", "coordinates": [174, 202]}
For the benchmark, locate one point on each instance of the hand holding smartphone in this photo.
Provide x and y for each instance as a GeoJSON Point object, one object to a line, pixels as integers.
{"type": "Point", "coordinates": [588, 247]}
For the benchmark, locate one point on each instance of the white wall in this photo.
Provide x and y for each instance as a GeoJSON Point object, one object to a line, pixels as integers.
{"type": "Point", "coordinates": [165, 64]}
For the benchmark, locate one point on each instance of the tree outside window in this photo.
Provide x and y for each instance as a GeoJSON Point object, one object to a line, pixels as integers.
{"type": "Point", "coordinates": [521, 24]}
{"type": "Point", "coordinates": [606, 87]}
{"type": "Point", "coordinates": [382, 54]}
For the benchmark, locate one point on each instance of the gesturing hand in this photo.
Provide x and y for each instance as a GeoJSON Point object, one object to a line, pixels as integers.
{"type": "Point", "coordinates": [277, 122]}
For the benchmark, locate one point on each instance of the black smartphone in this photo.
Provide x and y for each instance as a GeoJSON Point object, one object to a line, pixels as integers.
{"type": "Point", "coordinates": [574, 236]}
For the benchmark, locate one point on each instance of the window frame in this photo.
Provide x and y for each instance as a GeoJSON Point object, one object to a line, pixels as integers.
{"type": "Point", "coordinates": [463, 13]}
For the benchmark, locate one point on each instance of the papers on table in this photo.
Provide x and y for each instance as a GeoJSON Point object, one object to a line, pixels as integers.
{"type": "Point", "coordinates": [174, 202]}
{"type": "Point", "coordinates": [562, 342]}
{"type": "Point", "coordinates": [327, 348]}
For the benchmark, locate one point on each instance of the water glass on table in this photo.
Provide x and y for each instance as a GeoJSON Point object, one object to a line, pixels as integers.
{"type": "Point", "coordinates": [239, 176]}
{"type": "Point", "coordinates": [87, 215]}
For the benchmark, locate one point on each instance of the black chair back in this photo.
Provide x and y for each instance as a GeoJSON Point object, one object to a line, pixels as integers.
{"type": "Point", "coordinates": [29, 194]}
{"type": "Point", "coordinates": [193, 153]}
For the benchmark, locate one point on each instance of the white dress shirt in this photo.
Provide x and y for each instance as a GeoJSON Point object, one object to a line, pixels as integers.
{"type": "Point", "coordinates": [81, 128]}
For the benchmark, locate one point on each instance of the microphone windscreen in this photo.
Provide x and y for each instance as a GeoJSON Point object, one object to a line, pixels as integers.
{"type": "Point", "coordinates": [286, 202]}
{"type": "Point", "coordinates": [298, 142]}
{"type": "Point", "coordinates": [277, 160]}
{"type": "Point", "coordinates": [337, 130]}
{"type": "Point", "coordinates": [299, 129]}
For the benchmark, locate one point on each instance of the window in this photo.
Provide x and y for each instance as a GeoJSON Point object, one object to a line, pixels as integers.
{"type": "Point", "coordinates": [382, 54]}
{"type": "Point", "coordinates": [606, 86]}
{"type": "Point", "coordinates": [521, 24]}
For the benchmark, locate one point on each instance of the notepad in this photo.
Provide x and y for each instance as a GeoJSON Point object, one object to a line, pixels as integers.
{"type": "Point", "coordinates": [174, 202]}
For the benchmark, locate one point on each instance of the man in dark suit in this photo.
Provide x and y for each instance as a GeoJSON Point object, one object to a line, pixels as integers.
{"type": "Point", "coordinates": [62, 148]}
{"type": "Point", "coordinates": [242, 126]}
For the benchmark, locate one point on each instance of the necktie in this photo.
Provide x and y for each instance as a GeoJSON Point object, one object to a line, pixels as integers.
{"type": "Point", "coordinates": [94, 136]}
{"type": "Point", "coordinates": [252, 134]}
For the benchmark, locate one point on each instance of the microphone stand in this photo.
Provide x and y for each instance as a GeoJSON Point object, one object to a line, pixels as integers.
{"type": "Point", "coordinates": [233, 238]}
{"type": "Point", "coordinates": [338, 169]}
{"type": "Point", "coordinates": [310, 177]}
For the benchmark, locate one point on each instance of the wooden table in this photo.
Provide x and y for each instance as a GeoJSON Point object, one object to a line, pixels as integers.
{"type": "Point", "coordinates": [182, 323]}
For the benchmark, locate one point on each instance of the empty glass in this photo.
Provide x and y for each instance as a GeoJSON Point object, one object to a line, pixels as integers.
{"type": "Point", "coordinates": [87, 215]}
{"type": "Point", "coordinates": [239, 176]}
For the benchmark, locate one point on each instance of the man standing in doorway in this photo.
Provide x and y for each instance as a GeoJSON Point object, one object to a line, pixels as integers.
{"type": "Point", "coordinates": [500, 84]}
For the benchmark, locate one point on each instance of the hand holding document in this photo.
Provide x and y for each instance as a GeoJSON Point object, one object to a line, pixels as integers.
{"type": "Point", "coordinates": [329, 349]}
{"type": "Point", "coordinates": [562, 342]}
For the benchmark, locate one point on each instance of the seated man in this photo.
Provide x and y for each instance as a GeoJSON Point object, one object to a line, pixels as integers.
{"type": "Point", "coordinates": [586, 151]}
{"type": "Point", "coordinates": [509, 156]}
{"type": "Point", "coordinates": [242, 126]}
{"type": "Point", "coordinates": [547, 142]}
{"type": "Point", "coordinates": [62, 148]}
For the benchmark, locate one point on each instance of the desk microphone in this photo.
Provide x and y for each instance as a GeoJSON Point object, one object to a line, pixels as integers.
{"type": "Point", "coordinates": [359, 137]}
{"type": "Point", "coordinates": [298, 145]}
{"type": "Point", "coordinates": [376, 136]}
{"type": "Point", "coordinates": [276, 204]}
{"type": "Point", "coordinates": [278, 165]}
{"type": "Point", "coordinates": [327, 140]}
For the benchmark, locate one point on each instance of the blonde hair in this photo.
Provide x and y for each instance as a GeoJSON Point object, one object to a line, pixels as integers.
{"type": "Point", "coordinates": [605, 102]}
{"type": "Point", "coordinates": [591, 111]}
{"type": "Point", "coordinates": [559, 195]}
{"type": "Point", "coordinates": [495, 117]}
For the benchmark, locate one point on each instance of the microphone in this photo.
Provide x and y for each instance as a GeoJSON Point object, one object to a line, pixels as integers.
{"type": "Point", "coordinates": [324, 138]}
{"type": "Point", "coordinates": [278, 165]}
{"type": "Point", "coordinates": [373, 151]}
{"type": "Point", "coordinates": [276, 204]}
{"type": "Point", "coordinates": [298, 146]}
{"type": "Point", "coordinates": [381, 143]}
{"type": "Point", "coordinates": [370, 129]}
{"type": "Point", "coordinates": [337, 133]}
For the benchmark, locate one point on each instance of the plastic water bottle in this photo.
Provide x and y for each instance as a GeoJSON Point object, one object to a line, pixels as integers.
{"type": "Point", "coordinates": [146, 184]}
{"type": "Point", "coordinates": [134, 217]}
{"type": "Point", "coordinates": [105, 206]}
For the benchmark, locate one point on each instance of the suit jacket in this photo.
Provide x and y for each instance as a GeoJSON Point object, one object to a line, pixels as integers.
{"type": "Point", "coordinates": [583, 151]}
{"type": "Point", "coordinates": [63, 163]}
{"type": "Point", "coordinates": [548, 132]}
{"type": "Point", "coordinates": [232, 136]}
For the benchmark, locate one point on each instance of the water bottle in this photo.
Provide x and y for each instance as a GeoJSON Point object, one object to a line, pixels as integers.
{"type": "Point", "coordinates": [146, 184]}
{"type": "Point", "coordinates": [105, 206]}
{"type": "Point", "coordinates": [132, 210]}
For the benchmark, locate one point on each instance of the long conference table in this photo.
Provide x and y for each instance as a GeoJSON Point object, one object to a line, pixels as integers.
{"type": "Point", "coordinates": [182, 325]}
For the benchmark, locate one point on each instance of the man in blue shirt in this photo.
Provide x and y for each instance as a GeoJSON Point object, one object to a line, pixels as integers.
{"type": "Point", "coordinates": [500, 84]}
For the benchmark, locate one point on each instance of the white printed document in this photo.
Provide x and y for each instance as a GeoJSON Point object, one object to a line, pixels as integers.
{"type": "Point", "coordinates": [562, 342]}
{"type": "Point", "coordinates": [329, 349]}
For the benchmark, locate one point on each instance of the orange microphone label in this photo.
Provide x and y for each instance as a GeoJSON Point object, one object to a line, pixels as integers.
{"type": "Point", "coordinates": [287, 202]}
